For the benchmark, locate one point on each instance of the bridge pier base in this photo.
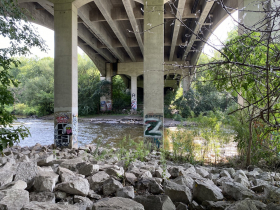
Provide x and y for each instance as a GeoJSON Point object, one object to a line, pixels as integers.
{"type": "Point", "coordinates": [65, 76]}
{"type": "Point", "coordinates": [153, 72]}
{"type": "Point", "coordinates": [133, 93]}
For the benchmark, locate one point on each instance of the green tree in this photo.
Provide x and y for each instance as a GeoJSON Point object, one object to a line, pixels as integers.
{"type": "Point", "coordinates": [13, 25]}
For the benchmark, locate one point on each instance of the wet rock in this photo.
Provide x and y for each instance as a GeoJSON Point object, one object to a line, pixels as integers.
{"type": "Point", "coordinates": [117, 203]}
{"type": "Point", "coordinates": [83, 202]}
{"type": "Point", "coordinates": [156, 202]}
{"type": "Point", "coordinates": [26, 171]}
{"type": "Point", "coordinates": [34, 205]}
{"type": "Point", "coordinates": [111, 186]}
{"type": "Point", "coordinates": [88, 169]}
{"type": "Point", "coordinates": [77, 186]}
{"type": "Point", "coordinates": [125, 192]}
{"type": "Point", "coordinates": [13, 199]}
{"type": "Point", "coordinates": [237, 191]}
{"type": "Point", "coordinates": [178, 193]}
{"type": "Point", "coordinates": [96, 181]}
{"type": "Point", "coordinates": [42, 197]}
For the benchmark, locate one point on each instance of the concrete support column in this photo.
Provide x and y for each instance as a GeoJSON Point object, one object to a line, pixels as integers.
{"type": "Point", "coordinates": [133, 93]}
{"type": "Point", "coordinates": [65, 75]}
{"type": "Point", "coordinates": [106, 99]}
{"type": "Point", "coordinates": [153, 72]}
{"type": "Point", "coordinates": [186, 84]}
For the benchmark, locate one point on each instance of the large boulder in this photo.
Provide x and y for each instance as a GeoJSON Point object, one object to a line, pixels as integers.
{"type": "Point", "coordinates": [26, 171]}
{"type": "Point", "coordinates": [88, 169]}
{"type": "Point", "coordinates": [117, 203]}
{"type": "Point", "coordinates": [156, 202]}
{"type": "Point", "coordinates": [46, 180]}
{"type": "Point", "coordinates": [178, 193]}
{"type": "Point", "coordinates": [247, 204]}
{"type": "Point", "coordinates": [76, 186]}
{"type": "Point", "coordinates": [13, 199]}
{"type": "Point", "coordinates": [16, 185]}
{"type": "Point", "coordinates": [42, 197]}
{"type": "Point", "coordinates": [96, 181]}
{"type": "Point", "coordinates": [203, 190]}
{"type": "Point", "coordinates": [111, 186]}
{"type": "Point", "coordinates": [34, 205]}
{"type": "Point", "coordinates": [237, 191]}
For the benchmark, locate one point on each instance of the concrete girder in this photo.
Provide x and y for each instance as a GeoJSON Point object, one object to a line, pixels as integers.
{"type": "Point", "coordinates": [105, 8]}
{"type": "Point", "coordinates": [129, 6]}
{"type": "Point", "coordinates": [99, 62]}
{"type": "Point", "coordinates": [142, 1]}
{"type": "Point", "coordinates": [177, 25]}
{"type": "Point", "coordinates": [100, 32]}
{"type": "Point", "coordinates": [118, 14]}
{"type": "Point", "coordinates": [85, 35]}
{"type": "Point", "coordinates": [217, 20]}
{"type": "Point", "coordinates": [47, 20]}
{"type": "Point", "coordinates": [205, 11]}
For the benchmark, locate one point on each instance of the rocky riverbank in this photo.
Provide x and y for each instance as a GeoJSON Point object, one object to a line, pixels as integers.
{"type": "Point", "coordinates": [40, 177]}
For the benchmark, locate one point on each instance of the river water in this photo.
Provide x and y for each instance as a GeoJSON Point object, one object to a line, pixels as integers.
{"type": "Point", "coordinates": [42, 131]}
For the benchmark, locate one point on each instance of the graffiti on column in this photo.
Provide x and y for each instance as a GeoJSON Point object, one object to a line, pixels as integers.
{"type": "Point", "coordinates": [153, 130]}
{"type": "Point", "coordinates": [75, 130]}
{"type": "Point", "coordinates": [103, 106]}
{"type": "Point", "coordinates": [109, 105]}
{"type": "Point", "coordinates": [133, 102]}
{"type": "Point", "coordinates": [63, 129]}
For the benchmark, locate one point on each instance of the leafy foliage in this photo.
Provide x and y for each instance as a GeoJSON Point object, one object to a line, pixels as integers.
{"type": "Point", "coordinates": [13, 25]}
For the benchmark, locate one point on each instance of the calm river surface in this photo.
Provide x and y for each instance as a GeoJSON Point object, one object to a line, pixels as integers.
{"type": "Point", "coordinates": [42, 131]}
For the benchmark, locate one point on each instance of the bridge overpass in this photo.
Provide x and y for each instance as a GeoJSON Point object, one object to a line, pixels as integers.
{"type": "Point", "coordinates": [124, 37]}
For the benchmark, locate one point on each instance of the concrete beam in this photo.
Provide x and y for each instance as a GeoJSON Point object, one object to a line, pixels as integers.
{"type": "Point", "coordinates": [98, 61]}
{"type": "Point", "coordinates": [85, 35]}
{"type": "Point", "coordinates": [119, 14]}
{"type": "Point", "coordinates": [205, 11]}
{"type": "Point", "coordinates": [177, 25]}
{"type": "Point", "coordinates": [100, 32]}
{"type": "Point", "coordinates": [136, 25]}
{"type": "Point", "coordinates": [105, 7]}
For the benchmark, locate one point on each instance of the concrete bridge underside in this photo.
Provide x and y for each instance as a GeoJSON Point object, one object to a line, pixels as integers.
{"type": "Point", "coordinates": [123, 37]}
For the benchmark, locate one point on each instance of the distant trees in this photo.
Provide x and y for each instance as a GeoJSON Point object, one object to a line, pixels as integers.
{"type": "Point", "coordinates": [13, 25]}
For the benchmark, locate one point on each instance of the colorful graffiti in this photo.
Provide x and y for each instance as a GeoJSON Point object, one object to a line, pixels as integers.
{"type": "Point", "coordinates": [153, 130]}
{"type": "Point", "coordinates": [134, 104]}
{"type": "Point", "coordinates": [109, 105]}
{"type": "Point", "coordinates": [75, 131]}
{"type": "Point", "coordinates": [63, 129]}
{"type": "Point", "coordinates": [103, 106]}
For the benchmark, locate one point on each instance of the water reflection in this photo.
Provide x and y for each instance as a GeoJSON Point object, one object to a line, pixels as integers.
{"type": "Point", "coordinates": [42, 132]}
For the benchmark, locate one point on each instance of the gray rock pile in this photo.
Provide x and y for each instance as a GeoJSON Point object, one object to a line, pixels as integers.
{"type": "Point", "coordinates": [39, 177]}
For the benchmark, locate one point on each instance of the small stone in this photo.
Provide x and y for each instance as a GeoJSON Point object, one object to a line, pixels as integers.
{"type": "Point", "coordinates": [131, 178]}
